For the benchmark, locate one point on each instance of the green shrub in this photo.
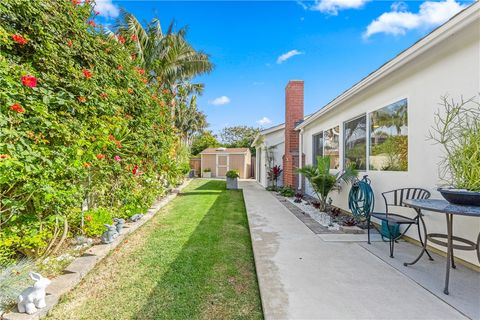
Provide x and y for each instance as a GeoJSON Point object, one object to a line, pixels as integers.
{"type": "Point", "coordinates": [232, 174]}
{"type": "Point", "coordinates": [287, 191]}
{"type": "Point", "coordinates": [79, 121]}
{"type": "Point", "coordinates": [95, 221]}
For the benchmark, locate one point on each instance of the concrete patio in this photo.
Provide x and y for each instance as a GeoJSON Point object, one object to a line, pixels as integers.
{"type": "Point", "coordinates": [302, 276]}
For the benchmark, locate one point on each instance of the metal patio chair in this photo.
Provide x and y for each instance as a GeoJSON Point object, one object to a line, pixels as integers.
{"type": "Point", "coordinates": [395, 198]}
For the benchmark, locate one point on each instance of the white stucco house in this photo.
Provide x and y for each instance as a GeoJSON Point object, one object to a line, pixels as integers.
{"type": "Point", "coordinates": [390, 109]}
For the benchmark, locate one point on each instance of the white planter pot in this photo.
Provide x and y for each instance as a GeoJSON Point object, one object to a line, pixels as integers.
{"type": "Point", "coordinates": [207, 174]}
{"type": "Point", "coordinates": [232, 183]}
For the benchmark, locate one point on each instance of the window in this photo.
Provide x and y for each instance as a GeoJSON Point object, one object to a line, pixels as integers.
{"type": "Point", "coordinates": [317, 147]}
{"type": "Point", "coordinates": [389, 138]}
{"type": "Point", "coordinates": [355, 143]}
{"type": "Point", "coordinates": [331, 146]}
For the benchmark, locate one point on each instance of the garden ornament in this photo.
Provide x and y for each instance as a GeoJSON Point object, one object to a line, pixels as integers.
{"type": "Point", "coordinates": [109, 235]}
{"type": "Point", "coordinates": [136, 217]}
{"type": "Point", "coordinates": [33, 298]}
{"type": "Point", "coordinates": [119, 223]}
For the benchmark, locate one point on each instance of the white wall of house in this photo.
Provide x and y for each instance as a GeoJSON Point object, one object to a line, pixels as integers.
{"type": "Point", "coordinates": [274, 139]}
{"type": "Point", "coordinates": [453, 68]}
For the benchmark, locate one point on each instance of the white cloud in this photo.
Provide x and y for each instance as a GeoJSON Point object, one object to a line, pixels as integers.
{"type": "Point", "coordinates": [333, 6]}
{"type": "Point", "coordinates": [399, 21]}
{"type": "Point", "coordinates": [284, 57]}
{"type": "Point", "coordinates": [220, 101]}
{"type": "Point", "coordinates": [264, 121]}
{"type": "Point", "coordinates": [107, 9]}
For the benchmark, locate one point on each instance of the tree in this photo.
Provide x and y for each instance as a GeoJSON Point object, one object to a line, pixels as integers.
{"type": "Point", "coordinates": [322, 181]}
{"type": "Point", "coordinates": [188, 119]}
{"type": "Point", "coordinates": [239, 137]}
{"type": "Point", "coordinates": [204, 140]}
{"type": "Point", "coordinates": [167, 57]}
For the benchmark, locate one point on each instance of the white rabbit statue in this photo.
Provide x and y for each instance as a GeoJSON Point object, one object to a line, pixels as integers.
{"type": "Point", "coordinates": [33, 298]}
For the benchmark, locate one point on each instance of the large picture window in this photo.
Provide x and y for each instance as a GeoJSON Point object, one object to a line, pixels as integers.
{"type": "Point", "coordinates": [317, 147]}
{"type": "Point", "coordinates": [389, 138]}
{"type": "Point", "coordinates": [331, 146]}
{"type": "Point", "coordinates": [355, 143]}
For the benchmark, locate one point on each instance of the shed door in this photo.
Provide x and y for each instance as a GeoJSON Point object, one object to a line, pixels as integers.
{"type": "Point", "coordinates": [222, 165]}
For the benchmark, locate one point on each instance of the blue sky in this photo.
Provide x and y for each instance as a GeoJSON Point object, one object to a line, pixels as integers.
{"type": "Point", "coordinates": [258, 46]}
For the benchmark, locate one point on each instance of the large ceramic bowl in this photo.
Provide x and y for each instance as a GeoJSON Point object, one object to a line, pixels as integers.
{"type": "Point", "coordinates": [460, 196]}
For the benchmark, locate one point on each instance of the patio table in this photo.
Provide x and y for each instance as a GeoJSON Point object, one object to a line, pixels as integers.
{"type": "Point", "coordinates": [450, 210]}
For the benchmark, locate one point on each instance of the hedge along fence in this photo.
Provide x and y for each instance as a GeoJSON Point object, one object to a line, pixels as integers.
{"type": "Point", "coordinates": [80, 125]}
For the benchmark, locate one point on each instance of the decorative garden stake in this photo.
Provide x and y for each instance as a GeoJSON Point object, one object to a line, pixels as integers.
{"type": "Point", "coordinates": [136, 217]}
{"type": "Point", "coordinates": [119, 223]}
{"type": "Point", "coordinates": [109, 235]}
{"type": "Point", "coordinates": [33, 298]}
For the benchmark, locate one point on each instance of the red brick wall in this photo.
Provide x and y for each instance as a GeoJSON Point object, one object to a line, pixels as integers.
{"type": "Point", "coordinates": [293, 114]}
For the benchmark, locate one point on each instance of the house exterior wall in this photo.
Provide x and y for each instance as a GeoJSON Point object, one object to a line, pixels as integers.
{"type": "Point", "coordinates": [453, 68]}
{"type": "Point", "coordinates": [275, 140]}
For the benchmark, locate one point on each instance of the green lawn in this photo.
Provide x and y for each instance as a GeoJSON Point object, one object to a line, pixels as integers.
{"type": "Point", "coordinates": [193, 260]}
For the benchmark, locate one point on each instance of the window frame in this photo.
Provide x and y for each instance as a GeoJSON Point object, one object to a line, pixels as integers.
{"type": "Point", "coordinates": [367, 138]}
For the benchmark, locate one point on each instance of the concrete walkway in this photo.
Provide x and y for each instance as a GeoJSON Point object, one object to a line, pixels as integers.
{"type": "Point", "coordinates": [303, 277]}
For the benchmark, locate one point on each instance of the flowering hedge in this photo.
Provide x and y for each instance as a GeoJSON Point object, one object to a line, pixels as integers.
{"type": "Point", "coordinates": [80, 125]}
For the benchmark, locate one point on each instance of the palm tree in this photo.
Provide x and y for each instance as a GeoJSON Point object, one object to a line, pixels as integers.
{"type": "Point", "coordinates": [167, 57]}
{"type": "Point", "coordinates": [322, 181]}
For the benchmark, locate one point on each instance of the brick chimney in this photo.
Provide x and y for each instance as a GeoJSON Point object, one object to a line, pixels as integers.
{"type": "Point", "coordinates": [293, 116]}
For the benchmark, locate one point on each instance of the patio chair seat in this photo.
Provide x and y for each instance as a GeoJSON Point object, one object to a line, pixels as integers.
{"type": "Point", "coordinates": [393, 218]}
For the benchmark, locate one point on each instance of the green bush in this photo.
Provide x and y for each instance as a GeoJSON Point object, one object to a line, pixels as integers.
{"type": "Point", "coordinates": [95, 221]}
{"type": "Point", "coordinates": [287, 191]}
{"type": "Point", "coordinates": [79, 120]}
{"type": "Point", "coordinates": [232, 174]}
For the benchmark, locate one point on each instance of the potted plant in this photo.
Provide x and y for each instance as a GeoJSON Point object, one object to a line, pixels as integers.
{"type": "Point", "coordinates": [457, 129]}
{"type": "Point", "coordinates": [207, 173]}
{"type": "Point", "coordinates": [322, 181]}
{"type": "Point", "coordinates": [232, 179]}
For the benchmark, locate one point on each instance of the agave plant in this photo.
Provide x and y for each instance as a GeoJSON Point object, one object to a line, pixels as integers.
{"type": "Point", "coordinates": [323, 182]}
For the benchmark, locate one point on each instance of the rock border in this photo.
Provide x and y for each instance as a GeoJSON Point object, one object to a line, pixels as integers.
{"type": "Point", "coordinates": [81, 266]}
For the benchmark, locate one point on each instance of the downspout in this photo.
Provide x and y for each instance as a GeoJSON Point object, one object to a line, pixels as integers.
{"type": "Point", "coordinates": [300, 157]}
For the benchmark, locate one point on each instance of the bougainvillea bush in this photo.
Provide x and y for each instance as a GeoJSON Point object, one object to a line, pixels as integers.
{"type": "Point", "coordinates": [81, 127]}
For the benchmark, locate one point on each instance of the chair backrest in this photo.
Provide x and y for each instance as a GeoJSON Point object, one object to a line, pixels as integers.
{"type": "Point", "coordinates": [396, 197]}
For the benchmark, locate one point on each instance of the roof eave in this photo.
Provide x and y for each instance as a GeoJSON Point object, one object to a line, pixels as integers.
{"type": "Point", "coordinates": [459, 21]}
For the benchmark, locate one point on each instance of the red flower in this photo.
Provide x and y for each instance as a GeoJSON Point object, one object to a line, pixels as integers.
{"type": "Point", "coordinates": [76, 2]}
{"type": "Point", "coordinates": [70, 43]}
{"type": "Point", "coordinates": [103, 95]}
{"type": "Point", "coordinates": [4, 156]}
{"type": "Point", "coordinates": [130, 90]}
{"type": "Point", "coordinates": [134, 37]}
{"type": "Point", "coordinates": [19, 39]}
{"type": "Point", "coordinates": [140, 71]}
{"type": "Point", "coordinates": [120, 67]}
{"type": "Point", "coordinates": [87, 73]}
{"type": "Point", "coordinates": [82, 99]}
{"type": "Point", "coordinates": [87, 164]}
{"type": "Point", "coordinates": [100, 156]}
{"type": "Point", "coordinates": [117, 158]}
{"type": "Point", "coordinates": [145, 80]}
{"type": "Point", "coordinates": [88, 218]}
{"type": "Point", "coordinates": [29, 81]}
{"type": "Point", "coordinates": [135, 170]}
{"type": "Point", "coordinates": [92, 23]}
{"type": "Point", "coordinates": [16, 107]}
{"type": "Point", "coordinates": [120, 39]}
